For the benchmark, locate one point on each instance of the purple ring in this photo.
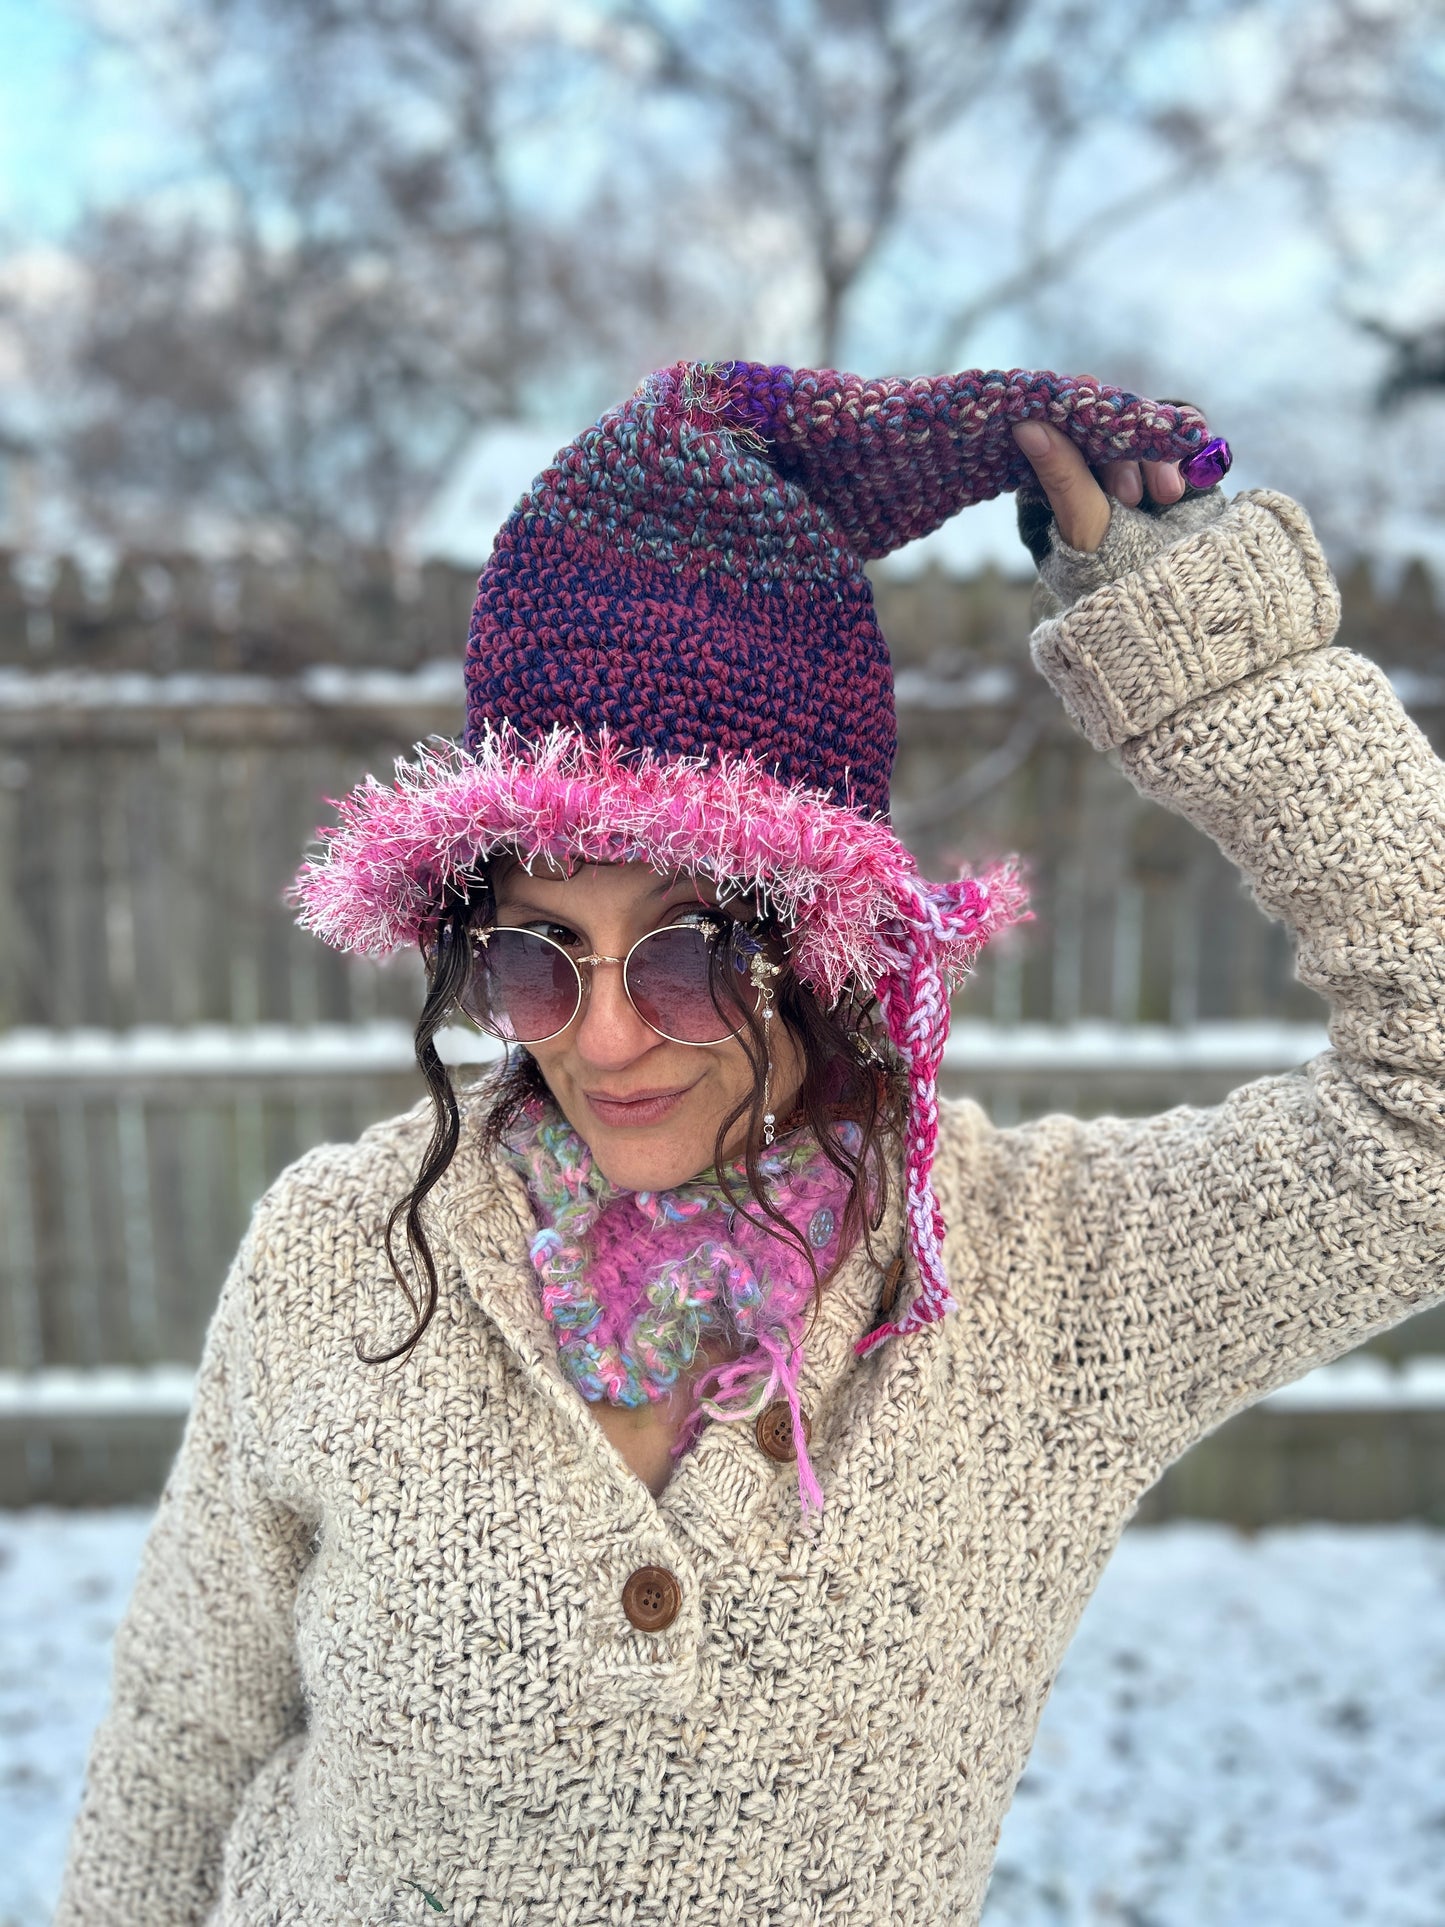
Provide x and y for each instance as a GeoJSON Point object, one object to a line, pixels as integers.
{"type": "Point", "coordinates": [1207, 465]}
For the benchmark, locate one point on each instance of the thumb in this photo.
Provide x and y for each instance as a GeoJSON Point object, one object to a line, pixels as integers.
{"type": "Point", "coordinates": [1080, 506]}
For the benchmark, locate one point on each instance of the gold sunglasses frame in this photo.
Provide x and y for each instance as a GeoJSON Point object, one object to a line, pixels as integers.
{"type": "Point", "coordinates": [761, 971]}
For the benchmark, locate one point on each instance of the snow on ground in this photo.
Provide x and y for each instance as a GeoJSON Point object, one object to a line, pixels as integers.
{"type": "Point", "coordinates": [1248, 1732]}
{"type": "Point", "coordinates": [64, 1579]}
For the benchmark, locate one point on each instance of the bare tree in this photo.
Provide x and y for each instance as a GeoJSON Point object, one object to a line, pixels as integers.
{"type": "Point", "coordinates": [873, 120]}
{"type": "Point", "coordinates": [394, 220]}
{"type": "Point", "coordinates": [1375, 74]}
{"type": "Point", "coordinates": [300, 333]}
{"type": "Point", "coordinates": [1416, 363]}
{"type": "Point", "coordinates": [826, 106]}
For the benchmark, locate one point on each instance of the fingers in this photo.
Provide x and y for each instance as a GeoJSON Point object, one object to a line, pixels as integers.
{"type": "Point", "coordinates": [1165, 482]}
{"type": "Point", "coordinates": [1123, 481]}
{"type": "Point", "coordinates": [1080, 506]}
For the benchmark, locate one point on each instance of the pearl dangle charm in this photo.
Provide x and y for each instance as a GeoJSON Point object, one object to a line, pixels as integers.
{"type": "Point", "coordinates": [762, 972]}
{"type": "Point", "coordinates": [769, 1121]}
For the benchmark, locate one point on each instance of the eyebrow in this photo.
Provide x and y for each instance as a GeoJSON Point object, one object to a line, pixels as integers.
{"type": "Point", "coordinates": [660, 889]}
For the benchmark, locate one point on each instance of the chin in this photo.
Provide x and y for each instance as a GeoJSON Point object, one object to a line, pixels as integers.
{"type": "Point", "coordinates": [655, 1166]}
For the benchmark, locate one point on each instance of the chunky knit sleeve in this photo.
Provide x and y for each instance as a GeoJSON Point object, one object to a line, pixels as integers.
{"type": "Point", "coordinates": [1202, 1258]}
{"type": "Point", "coordinates": [204, 1684]}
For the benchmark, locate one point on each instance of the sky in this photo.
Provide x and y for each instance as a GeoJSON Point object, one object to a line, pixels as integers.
{"type": "Point", "coordinates": [68, 118]}
{"type": "Point", "coordinates": [1227, 296]}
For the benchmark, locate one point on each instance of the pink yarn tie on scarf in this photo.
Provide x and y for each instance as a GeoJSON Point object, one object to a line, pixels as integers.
{"type": "Point", "coordinates": [728, 1381]}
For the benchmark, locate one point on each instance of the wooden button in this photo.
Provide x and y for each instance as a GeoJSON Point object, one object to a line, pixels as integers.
{"type": "Point", "coordinates": [774, 1431]}
{"type": "Point", "coordinates": [652, 1599]}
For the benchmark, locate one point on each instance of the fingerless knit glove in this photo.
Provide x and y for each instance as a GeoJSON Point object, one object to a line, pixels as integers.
{"type": "Point", "coordinates": [1174, 606]}
{"type": "Point", "coordinates": [1135, 536]}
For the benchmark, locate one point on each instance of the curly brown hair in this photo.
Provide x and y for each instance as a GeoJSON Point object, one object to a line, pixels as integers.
{"type": "Point", "coordinates": [849, 1072]}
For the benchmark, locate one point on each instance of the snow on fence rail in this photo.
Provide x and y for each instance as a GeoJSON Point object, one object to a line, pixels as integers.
{"type": "Point", "coordinates": [337, 685]}
{"type": "Point", "coordinates": [340, 1050]}
{"type": "Point", "coordinates": [319, 684]}
{"type": "Point", "coordinates": [1357, 1384]}
{"type": "Point", "coordinates": [130, 1159]}
{"type": "Point", "coordinates": [438, 684]}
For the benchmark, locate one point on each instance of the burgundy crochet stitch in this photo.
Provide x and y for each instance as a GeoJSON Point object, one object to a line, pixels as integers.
{"type": "Point", "coordinates": [688, 573]}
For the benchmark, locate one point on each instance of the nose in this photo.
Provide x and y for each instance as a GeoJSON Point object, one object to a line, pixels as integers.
{"type": "Point", "coordinates": [610, 1034]}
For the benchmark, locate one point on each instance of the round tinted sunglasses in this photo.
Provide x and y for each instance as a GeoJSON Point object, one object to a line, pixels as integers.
{"type": "Point", "coordinates": [688, 981]}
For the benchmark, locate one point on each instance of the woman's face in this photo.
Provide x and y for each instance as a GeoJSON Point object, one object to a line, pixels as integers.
{"type": "Point", "coordinates": [648, 1108]}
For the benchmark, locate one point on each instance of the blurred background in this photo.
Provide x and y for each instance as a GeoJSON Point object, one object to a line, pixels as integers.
{"type": "Point", "coordinates": [296, 296]}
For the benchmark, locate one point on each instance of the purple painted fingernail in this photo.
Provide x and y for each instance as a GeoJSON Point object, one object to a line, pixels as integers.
{"type": "Point", "coordinates": [1207, 465]}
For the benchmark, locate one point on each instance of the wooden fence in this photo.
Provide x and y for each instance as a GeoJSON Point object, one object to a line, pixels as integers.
{"type": "Point", "coordinates": [166, 747]}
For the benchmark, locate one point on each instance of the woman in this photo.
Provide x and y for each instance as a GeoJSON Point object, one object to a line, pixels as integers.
{"type": "Point", "coordinates": [506, 1630]}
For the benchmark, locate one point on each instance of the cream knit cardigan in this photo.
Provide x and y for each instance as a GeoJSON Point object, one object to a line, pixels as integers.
{"type": "Point", "coordinates": [377, 1670]}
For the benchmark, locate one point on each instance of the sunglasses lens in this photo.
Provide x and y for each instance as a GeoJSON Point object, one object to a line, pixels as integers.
{"type": "Point", "coordinates": [685, 983]}
{"type": "Point", "coordinates": [522, 987]}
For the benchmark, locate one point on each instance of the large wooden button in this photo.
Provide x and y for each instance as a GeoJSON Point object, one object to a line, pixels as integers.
{"type": "Point", "coordinates": [774, 1431]}
{"type": "Point", "coordinates": [652, 1599]}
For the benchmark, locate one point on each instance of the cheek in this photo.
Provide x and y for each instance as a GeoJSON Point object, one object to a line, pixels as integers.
{"type": "Point", "coordinates": [551, 1062]}
{"type": "Point", "coordinates": [729, 1082]}
{"type": "Point", "coordinates": [733, 1074]}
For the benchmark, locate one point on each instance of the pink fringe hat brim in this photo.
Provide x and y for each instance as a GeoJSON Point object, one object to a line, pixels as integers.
{"type": "Point", "coordinates": [846, 887]}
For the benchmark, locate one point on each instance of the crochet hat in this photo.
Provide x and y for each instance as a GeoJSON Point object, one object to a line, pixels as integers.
{"type": "Point", "coordinates": [674, 658]}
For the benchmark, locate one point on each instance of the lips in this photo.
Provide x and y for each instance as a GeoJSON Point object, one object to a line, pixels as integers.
{"type": "Point", "coordinates": [637, 1108]}
{"type": "Point", "coordinates": [636, 1097]}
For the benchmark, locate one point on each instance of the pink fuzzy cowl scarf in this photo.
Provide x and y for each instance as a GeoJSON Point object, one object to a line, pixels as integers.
{"type": "Point", "coordinates": [634, 1283]}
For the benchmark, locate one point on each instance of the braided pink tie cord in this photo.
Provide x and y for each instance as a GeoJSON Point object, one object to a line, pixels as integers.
{"type": "Point", "coordinates": [947, 920]}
